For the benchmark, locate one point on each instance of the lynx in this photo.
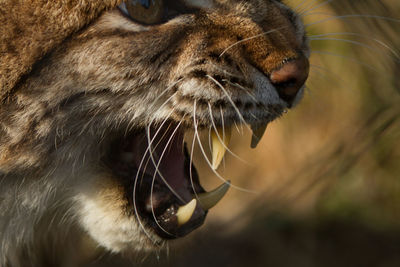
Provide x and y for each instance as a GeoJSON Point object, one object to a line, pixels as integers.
{"type": "Point", "coordinates": [96, 99]}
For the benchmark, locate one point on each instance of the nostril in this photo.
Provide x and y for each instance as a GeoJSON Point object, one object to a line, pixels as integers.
{"type": "Point", "coordinates": [290, 78]}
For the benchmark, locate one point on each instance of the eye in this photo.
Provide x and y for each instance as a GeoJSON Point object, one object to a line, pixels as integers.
{"type": "Point", "coordinates": [150, 12]}
{"type": "Point", "coordinates": [144, 11]}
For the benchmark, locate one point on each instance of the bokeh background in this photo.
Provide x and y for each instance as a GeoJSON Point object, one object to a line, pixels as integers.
{"type": "Point", "coordinates": [323, 186]}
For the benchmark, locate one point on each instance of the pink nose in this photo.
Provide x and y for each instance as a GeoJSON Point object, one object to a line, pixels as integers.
{"type": "Point", "coordinates": [290, 78]}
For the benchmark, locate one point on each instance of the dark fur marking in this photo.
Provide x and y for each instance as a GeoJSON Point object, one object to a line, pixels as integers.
{"type": "Point", "coordinates": [228, 59]}
{"type": "Point", "coordinates": [198, 74]}
{"type": "Point", "coordinates": [200, 62]}
{"type": "Point", "coordinates": [214, 56]}
{"type": "Point", "coordinates": [220, 79]}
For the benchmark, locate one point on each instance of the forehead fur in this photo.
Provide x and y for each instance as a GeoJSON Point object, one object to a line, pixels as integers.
{"type": "Point", "coordinates": [34, 27]}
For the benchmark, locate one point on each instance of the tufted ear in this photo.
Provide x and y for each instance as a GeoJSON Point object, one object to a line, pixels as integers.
{"type": "Point", "coordinates": [32, 28]}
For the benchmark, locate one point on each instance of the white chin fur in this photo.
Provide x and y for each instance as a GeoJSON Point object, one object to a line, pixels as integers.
{"type": "Point", "coordinates": [100, 204]}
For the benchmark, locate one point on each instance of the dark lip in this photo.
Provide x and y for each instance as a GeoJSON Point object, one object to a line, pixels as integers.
{"type": "Point", "coordinates": [269, 114]}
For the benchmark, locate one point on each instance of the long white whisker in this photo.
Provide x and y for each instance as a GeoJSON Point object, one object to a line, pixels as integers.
{"type": "Point", "coordinates": [362, 63]}
{"type": "Point", "coordinates": [243, 88]}
{"type": "Point", "coordinates": [222, 70]}
{"type": "Point", "coordinates": [351, 42]}
{"type": "Point", "coordinates": [219, 137]}
{"type": "Point", "coordinates": [137, 177]}
{"type": "Point", "coordinates": [160, 174]}
{"type": "Point", "coordinates": [230, 100]}
{"type": "Point", "coordinates": [205, 155]}
{"type": "Point", "coordinates": [300, 5]}
{"type": "Point", "coordinates": [319, 37]}
{"type": "Point", "coordinates": [169, 87]}
{"type": "Point", "coordinates": [237, 128]}
{"type": "Point", "coordinates": [306, 7]}
{"type": "Point", "coordinates": [318, 69]}
{"type": "Point", "coordinates": [209, 138]}
{"type": "Point", "coordinates": [315, 7]}
{"type": "Point", "coordinates": [154, 176]}
{"type": "Point", "coordinates": [149, 145]}
{"type": "Point", "coordinates": [135, 183]}
{"type": "Point", "coordinates": [131, 124]}
{"type": "Point", "coordinates": [342, 17]}
{"type": "Point", "coordinates": [191, 168]}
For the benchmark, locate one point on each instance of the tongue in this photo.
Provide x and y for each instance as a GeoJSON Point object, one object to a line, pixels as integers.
{"type": "Point", "coordinates": [167, 157]}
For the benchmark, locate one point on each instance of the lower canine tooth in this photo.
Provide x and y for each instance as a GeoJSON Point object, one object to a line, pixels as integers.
{"type": "Point", "coordinates": [210, 199]}
{"type": "Point", "coordinates": [185, 212]}
{"type": "Point", "coordinates": [258, 133]}
{"type": "Point", "coordinates": [220, 141]}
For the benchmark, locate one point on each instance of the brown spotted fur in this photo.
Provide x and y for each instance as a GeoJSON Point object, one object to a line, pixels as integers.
{"type": "Point", "coordinates": [68, 89]}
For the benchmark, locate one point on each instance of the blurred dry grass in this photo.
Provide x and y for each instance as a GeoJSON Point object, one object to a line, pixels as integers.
{"type": "Point", "coordinates": [327, 175]}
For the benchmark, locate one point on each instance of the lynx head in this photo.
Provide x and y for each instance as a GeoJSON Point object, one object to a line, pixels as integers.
{"type": "Point", "coordinates": [99, 119]}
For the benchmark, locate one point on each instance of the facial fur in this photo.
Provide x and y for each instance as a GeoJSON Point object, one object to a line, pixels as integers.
{"type": "Point", "coordinates": [208, 67]}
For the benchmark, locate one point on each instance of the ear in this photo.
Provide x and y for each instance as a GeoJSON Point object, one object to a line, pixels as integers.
{"type": "Point", "coordinates": [32, 28]}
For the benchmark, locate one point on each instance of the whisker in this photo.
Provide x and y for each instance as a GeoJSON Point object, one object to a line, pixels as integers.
{"type": "Point", "coordinates": [296, 8]}
{"type": "Point", "coordinates": [316, 7]}
{"type": "Point", "coordinates": [136, 183]}
{"type": "Point", "coordinates": [151, 122]}
{"type": "Point", "coordinates": [191, 168]}
{"type": "Point", "coordinates": [160, 174]}
{"type": "Point", "coordinates": [219, 137]}
{"type": "Point", "coordinates": [343, 17]}
{"type": "Point", "coordinates": [137, 214]}
{"type": "Point", "coordinates": [251, 38]}
{"type": "Point", "coordinates": [237, 128]}
{"type": "Point", "coordinates": [222, 69]}
{"type": "Point", "coordinates": [352, 42]}
{"type": "Point", "coordinates": [205, 155]}
{"type": "Point", "coordinates": [149, 148]}
{"type": "Point", "coordinates": [362, 63]}
{"type": "Point", "coordinates": [243, 88]}
{"type": "Point", "coordinates": [157, 170]}
{"type": "Point", "coordinates": [229, 99]}
{"type": "Point", "coordinates": [307, 7]}
{"type": "Point", "coordinates": [334, 77]}
{"type": "Point", "coordinates": [131, 124]}
{"type": "Point", "coordinates": [316, 37]}
{"type": "Point", "coordinates": [135, 186]}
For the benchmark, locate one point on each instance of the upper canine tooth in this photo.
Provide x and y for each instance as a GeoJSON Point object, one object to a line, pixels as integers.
{"type": "Point", "coordinates": [185, 212]}
{"type": "Point", "coordinates": [220, 141]}
{"type": "Point", "coordinates": [258, 132]}
{"type": "Point", "coordinates": [210, 199]}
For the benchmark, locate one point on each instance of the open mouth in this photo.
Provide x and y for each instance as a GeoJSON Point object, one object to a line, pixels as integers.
{"type": "Point", "coordinates": [161, 183]}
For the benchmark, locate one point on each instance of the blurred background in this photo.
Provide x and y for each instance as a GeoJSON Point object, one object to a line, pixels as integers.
{"type": "Point", "coordinates": [323, 186]}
